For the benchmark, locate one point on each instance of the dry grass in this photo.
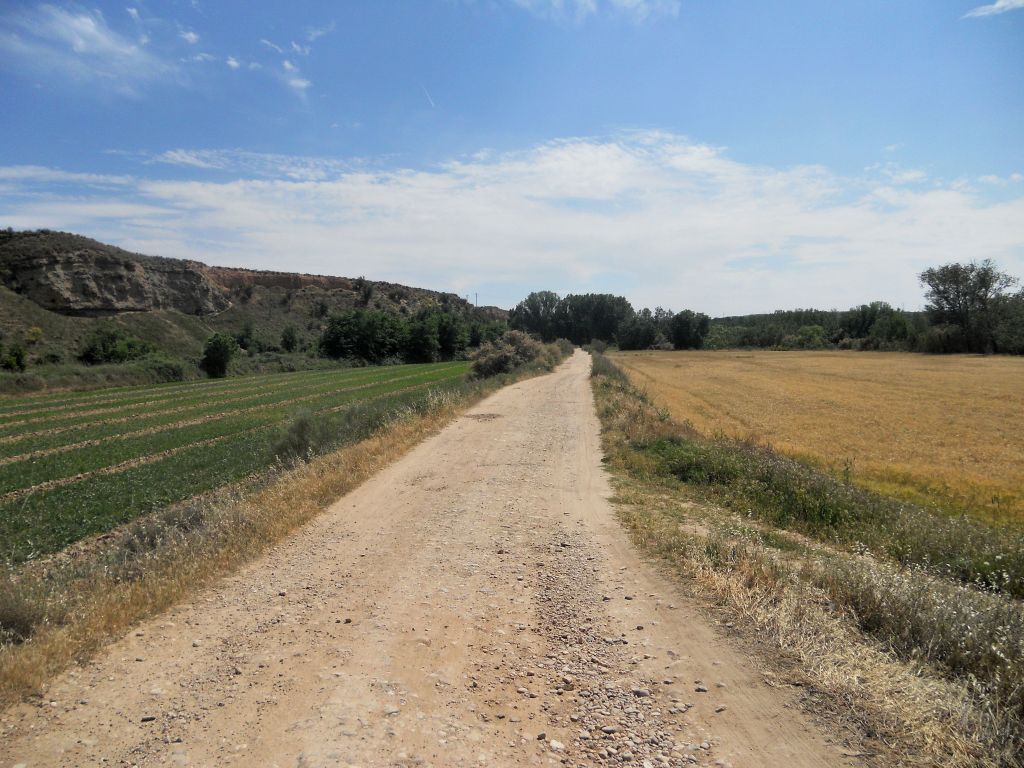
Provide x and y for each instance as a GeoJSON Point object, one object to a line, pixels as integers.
{"type": "Point", "coordinates": [928, 666]}
{"type": "Point", "coordinates": [947, 430]}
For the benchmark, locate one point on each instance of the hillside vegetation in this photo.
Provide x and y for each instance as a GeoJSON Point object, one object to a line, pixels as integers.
{"type": "Point", "coordinates": [59, 290]}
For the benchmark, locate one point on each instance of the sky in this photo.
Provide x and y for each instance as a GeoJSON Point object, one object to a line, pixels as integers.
{"type": "Point", "coordinates": [726, 156]}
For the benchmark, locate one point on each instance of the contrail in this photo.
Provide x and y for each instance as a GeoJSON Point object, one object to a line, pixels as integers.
{"type": "Point", "coordinates": [427, 94]}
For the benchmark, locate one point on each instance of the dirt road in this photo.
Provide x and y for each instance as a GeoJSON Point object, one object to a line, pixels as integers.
{"type": "Point", "coordinates": [474, 604]}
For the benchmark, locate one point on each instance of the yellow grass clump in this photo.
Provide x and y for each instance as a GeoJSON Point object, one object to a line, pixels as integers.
{"type": "Point", "coordinates": [931, 429]}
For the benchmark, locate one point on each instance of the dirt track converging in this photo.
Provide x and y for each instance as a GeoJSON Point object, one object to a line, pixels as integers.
{"type": "Point", "coordinates": [474, 604]}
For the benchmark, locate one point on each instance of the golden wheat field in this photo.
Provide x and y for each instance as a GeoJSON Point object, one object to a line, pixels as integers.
{"type": "Point", "coordinates": [945, 429]}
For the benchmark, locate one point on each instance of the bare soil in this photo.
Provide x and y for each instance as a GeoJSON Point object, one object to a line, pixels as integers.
{"type": "Point", "coordinates": [476, 603]}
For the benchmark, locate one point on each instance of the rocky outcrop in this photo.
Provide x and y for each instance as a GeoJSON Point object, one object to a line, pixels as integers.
{"type": "Point", "coordinates": [71, 274]}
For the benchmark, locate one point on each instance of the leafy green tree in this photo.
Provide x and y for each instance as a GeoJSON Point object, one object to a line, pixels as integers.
{"type": "Point", "coordinates": [969, 297]}
{"type": "Point", "coordinates": [363, 335]}
{"type": "Point", "coordinates": [689, 329]}
{"type": "Point", "coordinates": [639, 332]}
{"type": "Point", "coordinates": [423, 344]}
{"type": "Point", "coordinates": [217, 354]}
{"type": "Point", "coordinates": [452, 335]}
{"type": "Point", "coordinates": [536, 314]}
{"type": "Point", "coordinates": [289, 339]}
{"type": "Point", "coordinates": [810, 337]}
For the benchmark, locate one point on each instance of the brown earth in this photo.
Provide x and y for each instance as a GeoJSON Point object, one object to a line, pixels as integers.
{"type": "Point", "coordinates": [476, 603]}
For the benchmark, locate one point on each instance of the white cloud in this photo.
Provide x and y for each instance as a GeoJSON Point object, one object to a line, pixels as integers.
{"type": "Point", "coordinates": [271, 46]}
{"type": "Point", "coordinates": [298, 84]}
{"type": "Point", "coordinates": [638, 10]}
{"type": "Point", "coordinates": [315, 33]}
{"type": "Point", "coordinates": [232, 62]}
{"type": "Point", "coordinates": [655, 216]}
{"type": "Point", "coordinates": [77, 45]}
{"type": "Point", "coordinates": [1000, 6]}
{"type": "Point", "coordinates": [255, 164]}
{"type": "Point", "coordinates": [40, 174]}
{"type": "Point", "coordinates": [189, 36]}
{"type": "Point", "coordinates": [1001, 181]}
{"type": "Point", "coordinates": [288, 66]}
{"type": "Point", "coordinates": [134, 13]}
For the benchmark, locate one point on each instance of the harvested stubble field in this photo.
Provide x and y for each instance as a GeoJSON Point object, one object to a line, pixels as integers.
{"type": "Point", "coordinates": [76, 465]}
{"type": "Point", "coordinates": [943, 430]}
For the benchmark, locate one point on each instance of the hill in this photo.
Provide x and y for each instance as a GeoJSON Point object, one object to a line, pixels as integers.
{"type": "Point", "coordinates": [56, 288]}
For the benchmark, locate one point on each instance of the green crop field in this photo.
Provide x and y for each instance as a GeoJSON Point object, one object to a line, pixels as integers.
{"type": "Point", "coordinates": [76, 465]}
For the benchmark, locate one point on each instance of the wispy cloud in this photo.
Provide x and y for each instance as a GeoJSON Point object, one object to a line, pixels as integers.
{"type": "Point", "coordinates": [79, 45]}
{"type": "Point", "coordinates": [315, 33]}
{"type": "Point", "coordinates": [232, 62]}
{"type": "Point", "coordinates": [656, 216]}
{"type": "Point", "coordinates": [242, 163]}
{"type": "Point", "coordinates": [271, 45]}
{"type": "Point", "coordinates": [189, 36]}
{"type": "Point", "coordinates": [298, 84]}
{"type": "Point", "coordinates": [638, 10]}
{"type": "Point", "coordinates": [1000, 6]}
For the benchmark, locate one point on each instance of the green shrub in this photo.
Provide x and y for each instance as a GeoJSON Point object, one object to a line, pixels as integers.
{"type": "Point", "coordinates": [217, 354]}
{"type": "Point", "coordinates": [13, 358]}
{"type": "Point", "coordinates": [108, 344]}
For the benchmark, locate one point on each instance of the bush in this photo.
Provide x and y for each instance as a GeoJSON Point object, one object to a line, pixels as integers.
{"type": "Point", "coordinates": [515, 348]}
{"type": "Point", "coordinates": [217, 354]}
{"type": "Point", "coordinates": [306, 435]}
{"type": "Point", "coordinates": [289, 339]}
{"type": "Point", "coordinates": [943, 340]}
{"type": "Point", "coordinates": [107, 344]}
{"type": "Point", "coordinates": [13, 358]}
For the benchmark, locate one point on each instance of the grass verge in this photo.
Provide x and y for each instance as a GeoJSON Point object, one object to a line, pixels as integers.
{"type": "Point", "coordinates": [65, 607]}
{"type": "Point", "coordinates": [930, 664]}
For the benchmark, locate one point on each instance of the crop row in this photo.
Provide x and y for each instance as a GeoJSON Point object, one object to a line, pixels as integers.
{"type": "Point", "coordinates": [30, 472]}
{"type": "Point", "coordinates": [30, 405]}
{"type": "Point", "coordinates": [60, 419]}
{"type": "Point", "coordinates": [192, 408]}
{"type": "Point", "coordinates": [42, 522]}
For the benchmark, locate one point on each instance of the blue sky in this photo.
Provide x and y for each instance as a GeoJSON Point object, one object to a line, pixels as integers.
{"type": "Point", "coordinates": [724, 156]}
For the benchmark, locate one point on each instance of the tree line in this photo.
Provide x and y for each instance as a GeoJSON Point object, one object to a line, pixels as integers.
{"type": "Point", "coordinates": [586, 318]}
{"type": "Point", "coordinates": [970, 307]}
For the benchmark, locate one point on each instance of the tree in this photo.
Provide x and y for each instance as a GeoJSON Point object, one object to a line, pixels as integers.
{"type": "Point", "coordinates": [640, 332]}
{"type": "Point", "coordinates": [536, 314]}
{"type": "Point", "coordinates": [689, 329]}
{"type": "Point", "coordinates": [810, 337]}
{"type": "Point", "coordinates": [969, 297]}
{"type": "Point", "coordinates": [289, 339]}
{"type": "Point", "coordinates": [452, 335]}
{"type": "Point", "coordinates": [363, 335]}
{"type": "Point", "coordinates": [217, 354]}
{"type": "Point", "coordinates": [422, 344]}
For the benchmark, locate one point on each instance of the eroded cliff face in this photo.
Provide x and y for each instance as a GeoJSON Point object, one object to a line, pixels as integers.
{"type": "Point", "coordinates": [75, 275]}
